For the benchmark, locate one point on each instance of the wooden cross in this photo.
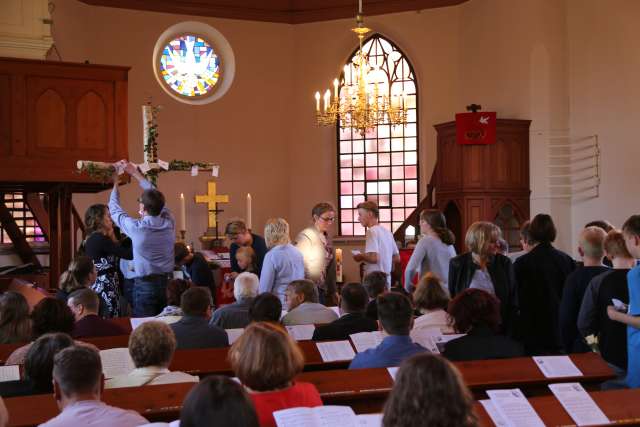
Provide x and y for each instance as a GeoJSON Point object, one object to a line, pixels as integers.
{"type": "Point", "coordinates": [211, 198]}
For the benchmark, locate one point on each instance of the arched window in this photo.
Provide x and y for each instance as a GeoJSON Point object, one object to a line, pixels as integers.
{"type": "Point", "coordinates": [382, 165]}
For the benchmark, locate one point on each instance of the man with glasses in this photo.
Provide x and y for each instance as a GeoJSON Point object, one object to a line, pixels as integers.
{"type": "Point", "coordinates": [152, 236]}
{"type": "Point", "coordinates": [239, 235]}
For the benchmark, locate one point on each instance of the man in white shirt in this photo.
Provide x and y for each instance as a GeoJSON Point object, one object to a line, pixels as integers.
{"type": "Point", "coordinates": [381, 251]}
{"type": "Point", "coordinates": [77, 385]}
{"type": "Point", "coordinates": [302, 302]}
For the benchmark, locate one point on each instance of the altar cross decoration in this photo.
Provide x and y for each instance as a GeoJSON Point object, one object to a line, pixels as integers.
{"type": "Point", "coordinates": [152, 165]}
{"type": "Point", "coordinates": [212, 199]}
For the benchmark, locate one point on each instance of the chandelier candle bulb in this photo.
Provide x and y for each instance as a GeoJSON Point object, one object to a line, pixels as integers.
{"type": "Point", "coordinates": [335, 88]}
{"type": "Point", "coordinates": [318, 102]}
{"type": "Point", "coordinates": [327, 97]}
{"type": "Point", "coordinates": [183, 214]}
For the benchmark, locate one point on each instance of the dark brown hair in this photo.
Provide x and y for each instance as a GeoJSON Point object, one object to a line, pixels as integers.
{"type": "Point", "coordinates": [265, 357]}
{"type": "Point", "coordinates": [175, 289]}
{"type": "Point", "coordinates": [15, 324]}
{"type": "Point", "coordinates": [354, 297]}
{"type": "Point", "coordinates": [77, 369]}
{"type": "Point", "coordinates": [87, 298]}
{"type": "Point", "coordinates": [196, 301]}
{"type": "Point", "coordinates": [632, 225]}
{"type": "Point", "coordinates": [438, 224]}
{"type": "Point", "coordinates": [153, 201]}
{"type": "Point", "coordinates": [474, 307]}
{"type": "Point", "coordinates": [542, 229]}
{"type": "Point", "coordinates": [305, 287]}
{"type": "Point", "coordinates": [429, 391]}
{"type": "Point", "coordinates": [38, 363]}
{"type": "Point", "coordinates": [180, 252]}
{"type": "Point", "coordinates": [265, 307]}
{"type": "Point", "coordinates": [395, 313]}
{"type": "Point", "coordinates": [51, 315]}
{"type": "Point", "coordinates": [600, 223]}
{"type": "Point", "coordinates": [375, 283]}
{"type": "Point", "coordinates": [429, 294]}
{"type": "Point", "coordinates": [94, 218]}
{"type": "Point", "coordinates": [525, 233]}
{"type": "Point", "coordinates": [321, 208]}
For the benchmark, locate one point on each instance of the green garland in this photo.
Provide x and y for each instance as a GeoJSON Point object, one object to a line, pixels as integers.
{"type": "Point", "coordinates": [96, 172]}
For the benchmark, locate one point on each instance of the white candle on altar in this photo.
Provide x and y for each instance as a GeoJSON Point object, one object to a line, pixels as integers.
{"type": "Point", "coordinates": [183, 213]}
{"type": "Point", "coordinates": [248, 211]}
{"type": "Point", "coordinates": [338, 265]}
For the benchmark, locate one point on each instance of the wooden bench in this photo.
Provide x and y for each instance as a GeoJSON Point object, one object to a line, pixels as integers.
{"type": "Point", "coordinates": [365, 390]}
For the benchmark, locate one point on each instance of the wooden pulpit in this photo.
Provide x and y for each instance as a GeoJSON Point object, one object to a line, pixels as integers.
{"type": "Point", "coordinates": [51, 115]}
{"type": "Point", "coordinates": [484, 182]}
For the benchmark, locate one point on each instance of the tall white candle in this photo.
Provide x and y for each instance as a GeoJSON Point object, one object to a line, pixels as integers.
{"type": "Point", "coordinates": [249, 211]}
{"type": "Point", "coordinates": [183, 213]}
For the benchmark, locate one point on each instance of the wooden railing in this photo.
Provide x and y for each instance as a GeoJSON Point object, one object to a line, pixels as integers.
{"type": "Point", "coordinates": [426, 203]}
{"type": "Point", "coordinates": [77, 224]}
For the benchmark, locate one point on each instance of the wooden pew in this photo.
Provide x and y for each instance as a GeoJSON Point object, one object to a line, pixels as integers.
{"type": "Point", "coordinates": [163, 403]}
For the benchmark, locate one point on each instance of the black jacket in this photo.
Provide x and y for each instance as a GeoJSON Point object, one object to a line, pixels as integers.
{"type": "Point", "coordinates": [461, 270]}
{"type": "Point", "coordinates": [196, 332]}
{"type": "Point", "coordinates": [341, 328]}
{"type": "Point", "coordinates": [541, 275]}
{"type": "Point", "coordinates": [482, 343]}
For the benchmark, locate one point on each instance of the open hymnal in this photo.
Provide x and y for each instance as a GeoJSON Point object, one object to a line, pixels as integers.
{"type": "Point", "coordinates": [301, 332]}
{"type": "Point", "coordinates": [324, 416]}
{"type": "Point", "coordinates": [365, 340]}
{"type": "Point", "coordinates": [9, 373]}
{"type": "Point", "coordinates": [557, 366]}
{"type": "Point", "coordinates": [580, 406]}
{"type": "Point", "coordinates": [514, 408]}
{"type": "Point", "coordinates": [234, 334]}
{"type": "Point", "coordinates": [332, 351]}
{"type": "Point", "coordinates": [116, 361]}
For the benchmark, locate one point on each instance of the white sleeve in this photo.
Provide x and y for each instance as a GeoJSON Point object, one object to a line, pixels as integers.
{"type": "Point", "coordinates": [372, 244]}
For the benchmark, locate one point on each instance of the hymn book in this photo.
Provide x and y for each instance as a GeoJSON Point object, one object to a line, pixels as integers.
{"type": "Point", "coordinates": [333, 351]}
{"type": "Point", "coordinates": [324, 416]}
{"type": "Point", "coordinates": [115, 362]}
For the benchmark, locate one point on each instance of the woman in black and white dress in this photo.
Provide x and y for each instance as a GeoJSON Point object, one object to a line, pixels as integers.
{"type": "Point", "coordinates": [102, 246]}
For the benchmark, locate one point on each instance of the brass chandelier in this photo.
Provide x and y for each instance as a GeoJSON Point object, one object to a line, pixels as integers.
{"type": "Point", "coordinates": [365, 99]}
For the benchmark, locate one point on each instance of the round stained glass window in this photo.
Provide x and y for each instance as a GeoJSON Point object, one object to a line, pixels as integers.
{"type": "Point", "coordinates": [190, 66]}
{"type": "Point", "coordinates": [194, 63]}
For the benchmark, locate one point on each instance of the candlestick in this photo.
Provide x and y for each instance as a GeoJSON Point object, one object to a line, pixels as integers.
{"type": "Point", "coordinates": [183, 213]}
{"type": "Point", "coordinates": [248, 211]}
{"type": "Point", "coordinates": [338, 265]}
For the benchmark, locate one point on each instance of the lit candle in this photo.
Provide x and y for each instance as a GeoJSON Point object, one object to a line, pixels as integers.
{"type": "Point", "coordinates": [317, 101]}
{"type": "Point", "coordinates": [327, 97]}
{"type": "Point", "coordinates": [335, 88]}
{"type": "Point", "coordinates": [183, 213]}
{"type": "Point", "coordinates": [338, 265]}
{"type": "Point", "coordinates": [248, 211]}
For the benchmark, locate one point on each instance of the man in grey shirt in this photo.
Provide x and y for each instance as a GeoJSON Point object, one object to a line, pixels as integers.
{"type": "Point", "coordinates": [236, 315]}
{"type": "Point", "coordinates": [303, 306]}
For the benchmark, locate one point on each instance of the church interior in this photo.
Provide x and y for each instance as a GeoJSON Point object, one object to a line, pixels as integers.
{"type": "Point", "coordinates": [231, 109]}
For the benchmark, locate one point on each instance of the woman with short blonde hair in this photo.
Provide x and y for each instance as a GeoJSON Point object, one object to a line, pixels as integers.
{"type": "Point", "coordinates": [283, 263]}
{"type": "Point", "coordinates": [151, 347]}
{"type": "Point", "coordinates": [266, 360]}
{"type": "Point", "coordinates": [483, 267]}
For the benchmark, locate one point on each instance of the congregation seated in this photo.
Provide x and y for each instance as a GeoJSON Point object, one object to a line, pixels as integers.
{"type": "Point", "coordinates": [38, 366]}
{"type": "Point", "coordinates": [15, 323]}
{"type": "Point", "coordinates": [593, 318]}
{"type": "Point", "coordinates": [236, 315]}
{"type": "Point", "coordinates": [266, 360]}
{"type": "Point", "coordinates": [151, 347]}
{"type": "Point", "coordinates": [49, 315]}
{"type": "Point", "coordinates": [218, 401]}
{"type": "Point", "coordinates": [175, 289]}
{"type": "Point", "coordinates": [486, 269]}
{"type": "Point", "coordinates": [591, 249]}
{"type": "Point", "coordinates": [431, 301]}
{"type": "Point", "coordinates": [265, 308]}
{"type": "Point", "coordinates": [194, 330]}
{"type": "Point", "coordinates": [78, 383]}
{"type": "Point", "coordinates": [375, 283]}
{"type": "Point", "coordinates": [84, 304]}
{"type": "Point", "coordinates": [476, 313]}
{"type": "Point", "coordinates": [540, 275]}
{"type": "Point", "coordinates": [303, 305]}
{"type": "Point", "coordinates": [353, 303]}
{"type": "Point", "coordinates": [80, 274]}
{"type": "Point", "coordinates": [395, 319]}
{"type": "Point", "coordinates": [429, 391]}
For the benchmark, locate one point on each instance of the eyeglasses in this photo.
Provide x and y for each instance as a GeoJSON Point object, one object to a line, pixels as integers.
{"type": "Point", "coordinates": [328, 219]}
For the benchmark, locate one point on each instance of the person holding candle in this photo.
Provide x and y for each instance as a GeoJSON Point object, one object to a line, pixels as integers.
{"type": "Point", "coordinates": [319, 261]}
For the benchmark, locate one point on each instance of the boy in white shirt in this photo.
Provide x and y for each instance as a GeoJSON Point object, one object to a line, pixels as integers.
{"type": "Point", "coordinates": [381, 251]}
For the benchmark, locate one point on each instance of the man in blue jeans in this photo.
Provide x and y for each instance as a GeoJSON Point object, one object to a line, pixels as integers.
{"type": "Point", "coordinates": [152, 236]}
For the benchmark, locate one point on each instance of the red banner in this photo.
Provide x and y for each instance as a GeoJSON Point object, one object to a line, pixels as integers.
{"type": "Point", "coordinates": [476, 128]}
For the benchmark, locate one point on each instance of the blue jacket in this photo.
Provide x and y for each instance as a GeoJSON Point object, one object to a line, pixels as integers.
{"type": "Point", "coordinates": [391, 352]}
